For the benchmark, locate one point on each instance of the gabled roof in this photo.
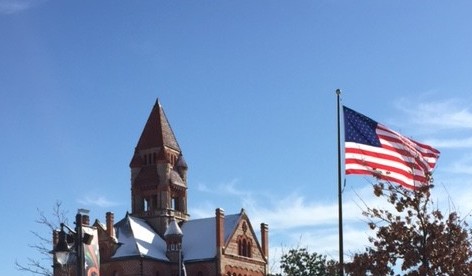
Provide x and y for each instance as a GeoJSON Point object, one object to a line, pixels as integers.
{"type": "Point", "coordinates": [137, 238]}
{"type": "Point", "coordinates": [157, 131]}
{"type": "Point", "coordinates": [199, 241]}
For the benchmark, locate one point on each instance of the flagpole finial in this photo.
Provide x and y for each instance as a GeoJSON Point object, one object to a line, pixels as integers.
{"type": "Point", "coordinates": [338, 91]}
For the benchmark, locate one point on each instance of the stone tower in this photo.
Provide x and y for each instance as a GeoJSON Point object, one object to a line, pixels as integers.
{"type": "Point", "coordinates": [158, 174]}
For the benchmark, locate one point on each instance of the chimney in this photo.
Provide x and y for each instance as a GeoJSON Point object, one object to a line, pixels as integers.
{"type": "Point", "coordinates": [85, 220]}
{"type": "Point", "coordinates": [110, 220]}
{"type": "Point", "coordinates": [265, 240]}
{"type": "Point", "coordinates": [220, 219]}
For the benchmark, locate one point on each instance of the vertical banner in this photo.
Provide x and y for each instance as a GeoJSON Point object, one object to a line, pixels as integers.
{"type": "Point", "coordinates": [91, 253]}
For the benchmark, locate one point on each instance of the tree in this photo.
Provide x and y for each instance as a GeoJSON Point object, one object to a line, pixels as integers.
{"type": "Point", "coordinates": [42, 264]}
{"type": "Point", "coordinates": [414, 237]}
{"type": "Point", "coordinates": [300, 262]}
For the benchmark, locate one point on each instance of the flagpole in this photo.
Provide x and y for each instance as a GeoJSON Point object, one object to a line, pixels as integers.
{"type": "Point", "coordinates": [340, 196]}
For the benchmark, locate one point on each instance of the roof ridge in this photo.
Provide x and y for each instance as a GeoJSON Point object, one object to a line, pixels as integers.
{"type": "Point", "coordinates": [135, 242]}
{"type": "Point", "coordinates": [213, 217]}
{"type": "Point", "coordinates": [168, 140]}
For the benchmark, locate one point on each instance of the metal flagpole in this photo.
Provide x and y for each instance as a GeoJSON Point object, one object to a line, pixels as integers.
{"type": "Point", "coordinates": [340, 196]}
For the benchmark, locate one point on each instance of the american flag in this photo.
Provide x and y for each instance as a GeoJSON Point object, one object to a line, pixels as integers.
{"type": "Point", "coordinates": [373, 149]}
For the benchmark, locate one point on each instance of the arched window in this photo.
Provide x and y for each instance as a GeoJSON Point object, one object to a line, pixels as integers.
{"type": "Point", "coordinates": [244, 246]}
{"type": "Point", "coordinates": [249, 253]}
{"type": "Point", "coordinates": [244, 253]}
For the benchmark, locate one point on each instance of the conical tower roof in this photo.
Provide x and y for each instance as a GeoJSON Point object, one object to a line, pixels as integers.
{"type": "Point", "coordinates": [173, 229]}
{"type": "Point", "coordinates": [157, 131]}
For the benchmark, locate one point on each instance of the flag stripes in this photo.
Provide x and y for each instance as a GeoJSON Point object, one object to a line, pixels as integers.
{"type": "Point", "coordinates": [373, 149]}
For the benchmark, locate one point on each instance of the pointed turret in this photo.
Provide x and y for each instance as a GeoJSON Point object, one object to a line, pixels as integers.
{"type": "Point", "coordinates": [173, 237]}
{"type": "Point", "coordinates": [157, 131]}
{"type": "Point", "coordinates": [182, 167]}
{"type": "Point", "coordinates": [158, 176]}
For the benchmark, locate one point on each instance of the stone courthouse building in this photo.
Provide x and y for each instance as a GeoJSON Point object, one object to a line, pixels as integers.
{"type": "Point", "coordinates": [158, 234]}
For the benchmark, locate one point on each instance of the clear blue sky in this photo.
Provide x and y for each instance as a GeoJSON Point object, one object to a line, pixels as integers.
{"type": "Point", "coordinates": [249, 89]}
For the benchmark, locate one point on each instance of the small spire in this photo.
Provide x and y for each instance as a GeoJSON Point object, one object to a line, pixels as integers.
{"type": "Point", "coordinates": [173, 229]}
{"type": "Point", "coordinates": [181, 162]}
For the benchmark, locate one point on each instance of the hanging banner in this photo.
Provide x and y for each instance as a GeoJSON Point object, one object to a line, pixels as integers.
{"type": "Point", "coordinates": [91, 253]}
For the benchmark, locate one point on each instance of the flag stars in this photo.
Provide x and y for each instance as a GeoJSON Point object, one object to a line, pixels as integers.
{"type": "Point", "coordinates": [360, 129]}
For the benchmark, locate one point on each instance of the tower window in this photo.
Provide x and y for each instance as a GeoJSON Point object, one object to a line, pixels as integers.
{"type": "Point", "coordinates": [176, 204]}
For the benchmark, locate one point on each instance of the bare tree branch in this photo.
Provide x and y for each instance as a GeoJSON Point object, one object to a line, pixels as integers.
{"type": "Point", "coordinates": [42, 265]}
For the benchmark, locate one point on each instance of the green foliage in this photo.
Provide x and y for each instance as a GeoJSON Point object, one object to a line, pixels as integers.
{"type": "Point", "coordinates": [300, 262]}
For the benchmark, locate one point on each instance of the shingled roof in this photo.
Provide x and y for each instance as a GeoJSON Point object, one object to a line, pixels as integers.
{"type": "Point", "coordinates": [157, 131]}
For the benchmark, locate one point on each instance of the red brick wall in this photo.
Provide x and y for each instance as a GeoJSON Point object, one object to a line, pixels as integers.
{"type": "Point", "coordinates": [233, 262]}
{"type": "Point", "coordinates": [153, 268]}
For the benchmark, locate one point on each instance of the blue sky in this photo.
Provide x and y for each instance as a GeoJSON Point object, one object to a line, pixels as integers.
{"type": "Point", "coordinates": [249, 89]}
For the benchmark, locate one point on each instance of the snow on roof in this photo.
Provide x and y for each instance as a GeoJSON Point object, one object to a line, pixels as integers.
{"type": "Point", "coordinates": [137, 238]}
{"type": "Point", "coordinates": [173, 229]}
{"type": "Point", "coordinates": [199, 240]}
